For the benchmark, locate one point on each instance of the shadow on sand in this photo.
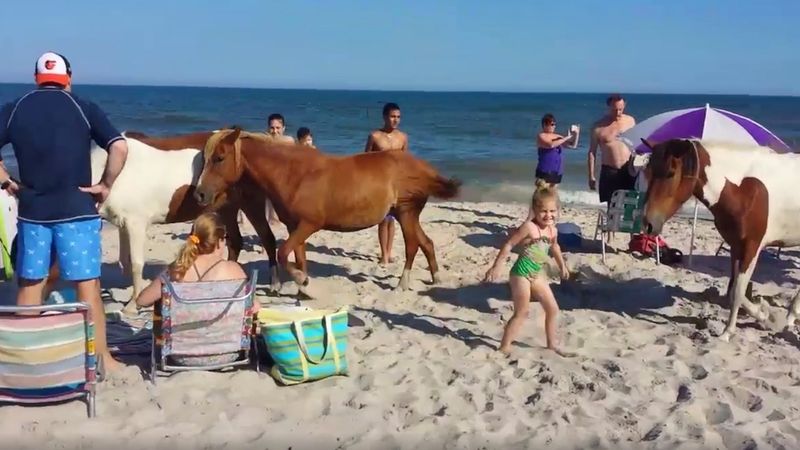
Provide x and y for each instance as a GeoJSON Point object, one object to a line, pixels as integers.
{"type": "Point", "coordinates": [424, 323]}
{"type": "Point", "coordinates": [112, 276]}
{"type": "Point", "coordinates": [478, 240]}
{"type": "Point", "coordinates": [643, 298]}
{"type": "Point", "coordinates": [492, 228]}
{"type": "Point", "coordinates": [473, 296]}
{"type": "Point", "coordinates": [491, 214]}
{"type": "Point", "coordinates": [336, 251]}
{"type": "Point", "coordinates": [769, 268]}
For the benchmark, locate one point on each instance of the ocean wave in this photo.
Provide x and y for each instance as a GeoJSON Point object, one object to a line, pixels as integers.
{"type": "Point", "coordinates": [167, 119]}
{"type": "Point", "coordinates": [521, 193]}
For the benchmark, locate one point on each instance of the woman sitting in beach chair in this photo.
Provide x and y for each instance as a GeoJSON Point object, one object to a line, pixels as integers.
{"type": "Point", "coordinates": [203, 303]}
{"type": "Point", "coordinates": [202, 258]}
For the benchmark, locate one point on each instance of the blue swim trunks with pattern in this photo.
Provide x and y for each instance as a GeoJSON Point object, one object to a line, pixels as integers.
{"type": "Point", "coordinates": [76, 244]}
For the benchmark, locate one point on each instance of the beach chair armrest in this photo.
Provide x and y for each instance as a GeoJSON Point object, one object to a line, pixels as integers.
{"type": "Point", "coordinates": [44, 308]}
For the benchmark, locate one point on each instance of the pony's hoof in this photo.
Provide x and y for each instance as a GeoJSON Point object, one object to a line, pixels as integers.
{"type": "Point", "coordinates": [725, 336]}
{"type": "Point", "coordinates": [402, 285]}
{"type": "Point", "coordinates": [303, 291]}
{"type": "Point", "coordinates": [274, 280]}
{"type": "Point", "coordinates": [299, 277]}
{"type": "Point", "coordinates": [437, 279]}
{"type": "Point", "coordinates": [275, 286]}
{"type": "Point", "coordinates": [130, 309]}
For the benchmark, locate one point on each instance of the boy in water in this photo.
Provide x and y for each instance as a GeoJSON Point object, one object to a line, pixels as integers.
{"type": "Point", "coordinates": [304, 137]}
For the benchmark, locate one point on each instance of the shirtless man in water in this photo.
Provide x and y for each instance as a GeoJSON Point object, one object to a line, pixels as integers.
{"type": "Point", "coordinates": [276, 126]}
{"type": "Point", "coordinates": [615, 171]}
{"type": "Point", "coordinates": [384, 139]}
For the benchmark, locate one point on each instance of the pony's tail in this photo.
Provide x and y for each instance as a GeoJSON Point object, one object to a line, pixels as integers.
{"type": "Point", "coordinates": [445, 188]}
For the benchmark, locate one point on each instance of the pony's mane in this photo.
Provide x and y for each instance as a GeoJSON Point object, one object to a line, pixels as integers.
{"type": "Point", "coordinates": [715, 144]}
{"type": "Point", "coordinates": [658, 159]}
{"type": "Point", "coordinates": [218, 135]}
{"type": "Point", "coordinates": [283, 151]}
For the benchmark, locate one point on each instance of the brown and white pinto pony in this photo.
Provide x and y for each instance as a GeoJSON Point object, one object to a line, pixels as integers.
{"type": "Point", "coordinates": [312, 191]}
{"type": "Point", "coordinates": [157, 186]}
{"type": "Point", "coordinates": [750, 190]}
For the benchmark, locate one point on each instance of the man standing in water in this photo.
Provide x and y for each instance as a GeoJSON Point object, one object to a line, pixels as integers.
{"type": "Point", "coordinates": [276, 126]}
{"type": "Point", "coordinates": [615, 171]}
{"type": "Point", "coordinates": [51, 131]}
{"type": "Point", "coordinates": [385, 139]}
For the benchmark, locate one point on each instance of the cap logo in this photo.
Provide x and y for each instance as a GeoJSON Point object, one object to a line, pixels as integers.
{"type": "Point", "coordinates": [49, 64]}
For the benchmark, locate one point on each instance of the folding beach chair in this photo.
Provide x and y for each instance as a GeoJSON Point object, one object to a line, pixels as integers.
{"type": "Point", "coordinates": [624, 214]}
{"type": "Point", "coordinates": [47, 358]}
{"type": "Point", "coordinates": [204, 325]}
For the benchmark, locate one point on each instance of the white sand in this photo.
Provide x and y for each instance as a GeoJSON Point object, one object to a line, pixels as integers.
{"type": "Point", "coordinates": [425, 374]}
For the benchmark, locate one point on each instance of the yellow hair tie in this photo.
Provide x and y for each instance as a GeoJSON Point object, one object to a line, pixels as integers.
{"type": "Point", "coordinates": [194, 239]}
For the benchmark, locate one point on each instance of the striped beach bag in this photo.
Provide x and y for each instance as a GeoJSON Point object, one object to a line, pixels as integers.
{"type": "Point", "coordinates": [305, 345]}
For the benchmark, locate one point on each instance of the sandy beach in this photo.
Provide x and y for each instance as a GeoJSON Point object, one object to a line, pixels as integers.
{"type": "Point", "coordinates": [649, 372]}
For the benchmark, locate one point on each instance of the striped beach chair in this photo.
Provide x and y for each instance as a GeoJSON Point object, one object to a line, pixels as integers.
{"type": "Point", "coordinates": [624, 214]}
{"type": "Point", "coordinates": [204, 325]}
{"type": "Point", "coordinates": [47, 357]}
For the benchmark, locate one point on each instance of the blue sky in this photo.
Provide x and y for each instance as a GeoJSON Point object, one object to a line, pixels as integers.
{"type": "Point", "coordinates": [675, 46]}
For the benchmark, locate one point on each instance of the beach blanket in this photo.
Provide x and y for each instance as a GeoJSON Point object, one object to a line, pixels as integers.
{"type": "Point", "coordinates": [126, 335]}
{"type": "Point", "coordinates": [130, 337]}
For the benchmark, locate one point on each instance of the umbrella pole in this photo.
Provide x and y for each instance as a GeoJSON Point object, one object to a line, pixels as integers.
{"type": "Point", "coordinates": [694, 227]}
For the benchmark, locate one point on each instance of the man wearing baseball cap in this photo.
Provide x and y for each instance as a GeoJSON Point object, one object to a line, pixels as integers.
{"type": "Point", "coordinates": [51, 131]}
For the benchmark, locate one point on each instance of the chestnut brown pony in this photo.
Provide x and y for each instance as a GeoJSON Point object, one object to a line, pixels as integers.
{"type": "Point", "coordinates": [313, 191]}
{"type": "Point", "coordinates": [750, 190]}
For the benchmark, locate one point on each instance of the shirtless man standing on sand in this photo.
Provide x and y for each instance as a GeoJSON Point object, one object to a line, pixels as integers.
{"type": "Point", "coordinates": [615, 171]}
{"type": "Point", "coordinates": [384, 139]}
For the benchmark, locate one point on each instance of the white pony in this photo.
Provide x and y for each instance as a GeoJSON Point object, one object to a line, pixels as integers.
{"type": "Point", "coordinates": [143, 194]}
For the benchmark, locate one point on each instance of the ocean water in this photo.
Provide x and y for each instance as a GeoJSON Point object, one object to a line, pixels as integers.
{"type": "Point", "coordinates": [486, 139]}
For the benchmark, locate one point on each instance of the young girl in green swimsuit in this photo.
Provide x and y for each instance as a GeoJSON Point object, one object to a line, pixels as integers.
{"type": "Point", "coordinates": [527, 278]}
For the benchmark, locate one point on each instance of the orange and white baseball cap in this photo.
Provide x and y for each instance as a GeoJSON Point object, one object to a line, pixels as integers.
{"type": "Point", "coordinates": [53, 68]}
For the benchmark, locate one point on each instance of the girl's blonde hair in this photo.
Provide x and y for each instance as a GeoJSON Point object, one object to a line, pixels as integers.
{"type": "Point", "coordinates": [207, 231]}
{"type": "Point", "coordinates": [544, 192]}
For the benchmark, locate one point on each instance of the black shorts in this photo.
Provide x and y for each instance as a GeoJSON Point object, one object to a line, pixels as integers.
{"type": "Point", "coordinates": [612, 179]}
{"type": "Point", "coordinates": [550, 177]}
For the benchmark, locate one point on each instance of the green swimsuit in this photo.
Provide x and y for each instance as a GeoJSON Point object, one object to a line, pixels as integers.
{"type": "Point", "coordinates": [533, 257]}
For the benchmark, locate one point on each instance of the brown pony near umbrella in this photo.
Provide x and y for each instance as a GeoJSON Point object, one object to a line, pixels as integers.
{"type": "Point", "coordinates": [313, 191]}
{"type": "Point", "coordinates": [749, 189]}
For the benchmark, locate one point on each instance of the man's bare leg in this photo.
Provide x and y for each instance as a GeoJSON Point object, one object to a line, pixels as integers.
{"type": "Point", "coordinates": [385, 238]}
{"type": "Point", "coordinates": [89, 292]}
{"type": "Point", "coordinates": [31, 292]}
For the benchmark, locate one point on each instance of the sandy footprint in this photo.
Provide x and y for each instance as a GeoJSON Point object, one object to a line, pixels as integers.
{"type": "Point", "coordinates": [718, 413]}
{"type": "Point", "coordinates": [745, 399]}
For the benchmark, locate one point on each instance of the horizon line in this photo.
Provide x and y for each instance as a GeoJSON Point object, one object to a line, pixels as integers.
{"type": "Point", "coordinates": [408, 90]}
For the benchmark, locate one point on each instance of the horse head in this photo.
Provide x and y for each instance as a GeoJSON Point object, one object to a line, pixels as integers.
{"type": "Point", "coordinates": [672, 173]}
{"type": "Point", "coordinates": [222, 166]}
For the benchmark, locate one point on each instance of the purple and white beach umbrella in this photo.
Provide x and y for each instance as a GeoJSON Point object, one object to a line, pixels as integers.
{"type": "Point", "coordinates": [701, 123]}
